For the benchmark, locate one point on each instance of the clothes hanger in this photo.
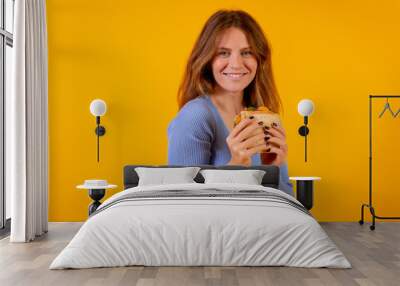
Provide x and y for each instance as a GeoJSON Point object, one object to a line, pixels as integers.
{"type": "Point", "coordinates": [387, 106]}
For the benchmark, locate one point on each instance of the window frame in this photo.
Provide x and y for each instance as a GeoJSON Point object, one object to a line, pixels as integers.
{"type": "Point", "coordinates": [6, 39]}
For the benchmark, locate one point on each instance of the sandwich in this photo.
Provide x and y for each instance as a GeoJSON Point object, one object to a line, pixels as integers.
{"type": "Point", "coordinates": [268, 117]}
{"type": "Point", "coordinates": [261, 113]}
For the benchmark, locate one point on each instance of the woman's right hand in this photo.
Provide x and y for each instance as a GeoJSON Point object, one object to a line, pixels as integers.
{"type": "Point", "coordinates": [246, 139]}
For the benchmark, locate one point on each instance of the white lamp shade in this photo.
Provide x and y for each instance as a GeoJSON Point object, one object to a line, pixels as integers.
{"type": "Point", "coordinates": [305, 107]}
{"type": "Point", "coordinates": [98, 107]}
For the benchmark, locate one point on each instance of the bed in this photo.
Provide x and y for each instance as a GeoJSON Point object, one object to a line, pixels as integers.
{"type": "Point", "coordinates": [201, 224]}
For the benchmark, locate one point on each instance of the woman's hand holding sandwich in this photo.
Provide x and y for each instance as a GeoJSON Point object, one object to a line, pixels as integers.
{"type": "Point", "coordinates": [250, 137]}
{"type": "Point", "coordinates": [246, 139]}
{"type": "Point", "coordinates": [277, 143]}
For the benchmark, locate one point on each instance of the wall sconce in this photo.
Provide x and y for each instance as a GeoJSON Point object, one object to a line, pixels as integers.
{"type": "Point", "coordinates": [305, 108]}
{"type": "Point", "coordinates": [98, 108]}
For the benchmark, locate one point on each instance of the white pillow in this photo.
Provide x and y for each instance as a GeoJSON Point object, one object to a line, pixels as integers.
{"type": "Point", "coordinates": [164, 176]}
{"type": "Point", "coordinates": [249, 177]}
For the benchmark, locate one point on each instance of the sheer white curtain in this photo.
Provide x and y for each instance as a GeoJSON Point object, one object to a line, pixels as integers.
{"type": "Point", "coordinates": [26, 124]}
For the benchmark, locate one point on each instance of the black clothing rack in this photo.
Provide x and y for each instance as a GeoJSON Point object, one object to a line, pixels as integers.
{"type": "Point", "coordinates": [369, 205]}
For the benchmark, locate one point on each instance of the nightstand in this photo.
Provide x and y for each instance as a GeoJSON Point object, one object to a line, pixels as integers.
{"type": "Point", "coordinates": [304, 190]}
{"type": "Point", "coordinates": [97, 190]}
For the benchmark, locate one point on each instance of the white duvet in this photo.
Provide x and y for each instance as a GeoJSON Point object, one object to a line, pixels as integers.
{"type": "Point", "coordinates": [200, 231]}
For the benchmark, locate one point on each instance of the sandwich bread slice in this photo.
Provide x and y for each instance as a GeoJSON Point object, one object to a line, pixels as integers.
{"type": "Point", "coordinates": [262, 113]}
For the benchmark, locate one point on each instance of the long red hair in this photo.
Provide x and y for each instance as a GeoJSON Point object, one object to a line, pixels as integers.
{"type": "Point", "coordinates": [198, 78]}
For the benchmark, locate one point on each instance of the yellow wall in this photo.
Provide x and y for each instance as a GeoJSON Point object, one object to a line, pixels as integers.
{"type": "Point", "coordinates": [132, 55]}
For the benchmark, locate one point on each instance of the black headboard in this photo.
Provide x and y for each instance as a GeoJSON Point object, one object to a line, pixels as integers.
{"type": "Point", "coordinates": [270, 179]}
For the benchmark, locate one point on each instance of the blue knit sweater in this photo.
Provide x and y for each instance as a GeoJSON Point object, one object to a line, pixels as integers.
{"type": "Point", "coordinates": [197, 135]}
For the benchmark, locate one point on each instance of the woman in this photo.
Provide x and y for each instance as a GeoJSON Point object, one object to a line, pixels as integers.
{"type": "Point", "coordinates": [229, 69]}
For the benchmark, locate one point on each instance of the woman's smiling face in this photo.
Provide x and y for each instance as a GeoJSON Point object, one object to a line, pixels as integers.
{"type": "Point", "coordinates": [234, 66]}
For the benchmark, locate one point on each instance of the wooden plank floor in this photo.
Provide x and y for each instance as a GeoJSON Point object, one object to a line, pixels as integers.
{"type": "Point", "coordinates": [375, 257]}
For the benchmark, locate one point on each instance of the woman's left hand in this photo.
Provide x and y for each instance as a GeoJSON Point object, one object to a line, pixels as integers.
{"type": "Point", "coordinates": [277, 143]}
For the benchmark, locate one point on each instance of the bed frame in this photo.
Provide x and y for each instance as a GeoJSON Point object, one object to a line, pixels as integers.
{"type": "Point", "coordinates": [270, 179]}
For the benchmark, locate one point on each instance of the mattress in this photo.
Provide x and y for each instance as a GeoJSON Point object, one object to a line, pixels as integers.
{"type": "Point", "coordinates": [201, 225]}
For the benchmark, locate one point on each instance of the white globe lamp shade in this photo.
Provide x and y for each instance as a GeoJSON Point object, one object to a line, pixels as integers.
{"type": "Point", "coordinates": [305, 107]}
{"type": "Point", "coordinates": [98, 107]}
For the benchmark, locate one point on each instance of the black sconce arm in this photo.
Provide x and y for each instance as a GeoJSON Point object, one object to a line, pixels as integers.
{"type": "Point", "coordinates": [303, 131]}
{"type": "Point", "coordinates": [100, 131]}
